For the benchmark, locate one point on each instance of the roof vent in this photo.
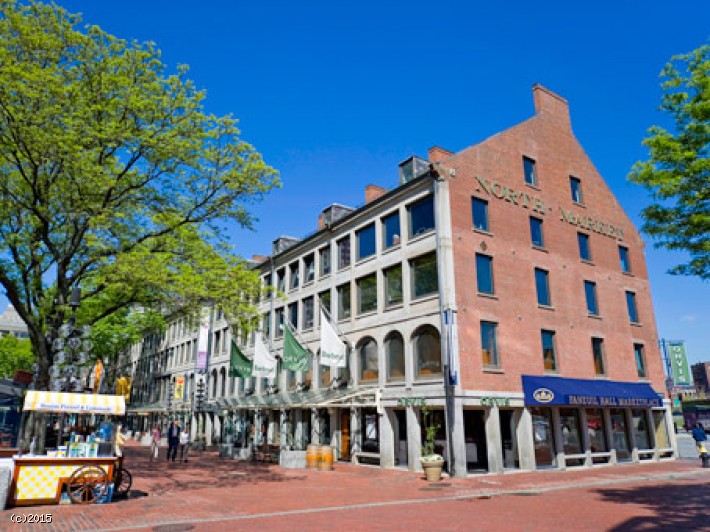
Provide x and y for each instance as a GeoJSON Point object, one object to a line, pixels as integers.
{"type": "Point", "coordinates": [411, 168]}
{"type": "Point", "coordinates": [282, 243]}
{"type": "Point", "coordinates": [335, 212]}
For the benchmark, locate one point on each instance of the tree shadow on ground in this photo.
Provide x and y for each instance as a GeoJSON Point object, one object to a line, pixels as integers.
{"type": "Point", "coordinates": [674, 507]}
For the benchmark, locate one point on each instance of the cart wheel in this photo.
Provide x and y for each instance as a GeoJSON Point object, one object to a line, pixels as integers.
{"type": "Point", "coordinates": [122, 483]}
{"type": "Point", "coordinates": [87, 484]}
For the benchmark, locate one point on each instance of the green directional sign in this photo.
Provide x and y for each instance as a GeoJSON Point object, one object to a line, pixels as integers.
{"type": "Point", "coordinates": [679, 363]}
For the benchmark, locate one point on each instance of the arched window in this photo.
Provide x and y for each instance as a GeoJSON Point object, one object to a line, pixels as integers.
{"type": "Point", "coordinates": [367, 359]}
{"type": "Point", "coordinates": [214, 383]}
{"type": "Point", "coordinates": [427, 352]}
{"type": "Point", "coordinates": [223, 381]}
{"type": "Point", "coordinates": [394, 349]}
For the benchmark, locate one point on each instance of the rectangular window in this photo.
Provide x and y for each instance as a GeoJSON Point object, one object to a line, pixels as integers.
{"type": "Point", "coordinates": [425, 279]}
{"type": "Point", "coordinates": [536, 237]}
{"type": "Point", "coordinates": [344, 301]}
{"type": "Point", "coordinates": [529, 171]}
{"type": "Point", "coordinates": [293, 271]}
{"type": "Point", "coordinates": [391, 230]}
{"type": "Point", "coordinates": [590, 294]}
{"type": "Point", "coordinates": [293, 315]}
{"type": "Point", "coordinates": [624, 259]}
{"type": "Point", "coordinates": [640, 360]}
{"type": "Point", "coordinates": [548, 350]}
{"type": "Point", "coordinates": [365, 238]}
{"type": "Point", "coordinates": [489, 346]}
{"type": "Point", "coordinates": [484, 274]}
{"type": "Point", "coordinates": [266, 290]}
{"type": "Point", "coordinates": [367, 293]}
{"type": "Point", "coordinates": [631, 306]}
{"type": "Point", "coordinates": [542, 285]}
{"type": "Point", "coordinates": [576, 189]}
{"type": "Point", "coordinates": [324, 298]}
{"type": "Point", "coordinates": [308, 313]}
{"type": "Point", "coordinates": [584, 251]}
{"type": "Point", "coordinates": [598, 353]}
{"type": "Point", "coordinates": [324, 255]}
{"type": "Point", "coordinates": [309, 268]}
{"type": "Point", "coordinates": [266, 324]}
{"type": "Point", "coordinates": [279, 314]}
{"type": "Point", "coordinates": [393, 285]}
{"type": "Point", "coordinates": [281, 280]}
{"type": "Point", "coordinates": [479, 208]}
{"type": "Point", "coordinates": [421, 216]}
{"type": "Point", "coordinates": [343, 252]}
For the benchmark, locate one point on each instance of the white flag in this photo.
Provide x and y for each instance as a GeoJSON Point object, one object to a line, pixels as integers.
{"type": "Point", "coordinates": [264, 362]}
{"type": "Point", "coordinates": [332, 349]}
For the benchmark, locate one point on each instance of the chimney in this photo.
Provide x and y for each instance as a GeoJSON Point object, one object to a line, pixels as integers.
{"type": "Point", "coordinates": [321, 221]}
{"type": "Point", "coordinates": [549, 104]}
{"type": "Point", "coordinates": [259, 258]}
{"type": "Point", "coordinates": [372, 192]}
{"type": "Point", "coordinates": [437, 154]}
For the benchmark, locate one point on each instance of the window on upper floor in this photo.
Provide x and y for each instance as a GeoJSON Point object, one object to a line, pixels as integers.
{"type": "Point", "coordinates": [324, 298]}
{"type": "Point", "coordinates": [421, 216]}
{"type": "Point", "coordinates": [479, 207]}
{"type": "Point", "coordinates": [640, 359]}
{"type": "Point", "coordinates": [484, 274]}
{"type": "Point", "coordinates": [585, 252]}
{"type": "Point", "coordinates": [293, 271]}
{"type": "Point", "coordinates": [281, 280]}
{"type": "Point", "coordinates": [309, 268]}
{"type": "Point", "coordinates": [598, 354]}
{"type": "Point", "coordinates": [631, 307]}
{"type": "Point", "coordinates": [576, 189]}
{"type": "Point", "coordinates": [590, 295]}
{"type": "Point", "coordinates": [368, 360]}
{"type": "Point", "coordinates": [391, 231]}
{"type": "Point", "coordinates": [344, 252]}
{"type": "Point", "coordinates": [549, 355]}
{"type": "Point", "coordinates": [365, 238]}
{"type": "Point", "coordinates": [324, 256]}
{"type": "Point", "coordinates": [393, 285]}
{"type": "Point", "coordinates": [367, 293]}
{"type": "Point", "coordinates": [424, 276]}
{"type": "Point", "coordinates": [279, 318]}
{"type": "Point", "coordinates": [308, 313]}
{"type": "Point", "coordinates": [489, 346]}
{"type": "Point", "coordinates": [344, 301]}
{"type": "Point", "coordinates": [394, 350]}
{"type": "Point", "coordinates": [542, 286]}
{"type": "Point", "coordinates": [427, 352]}
{"type": "Point", "coordinates": [536, 237]}
{"type": "Point", "coordinates": [624, 259]}
{"type": "Point", "coordinates": [529, 171]}
{"type": "Point", "coordinates": [293, 315]}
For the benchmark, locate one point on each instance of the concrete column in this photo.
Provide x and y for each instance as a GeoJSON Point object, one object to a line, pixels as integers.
{"type": "Point", "coordinates": [209, 425]}
{"type": "Point", "coordinates": [458, 443]}
{"type": "Point", "coordinates": [606, 413]}
{"type": "Point", "coordinates": [494, 440]}
{"type": "Point", "coordinates": [526, 441]}
{"type": "Point", "coordinates": [557, 435]}
{"type": "Point", "coordinates": [631, 430]}
{"type": "Point", "coordinates": [586, 440]}
{"type": "Point", "coordinates": [670, 427]}
{"type": "Point", "coordinates": [298, 434]}
{"type": "Point", "coordinates": [387, 422]}
{"type": "Point", "coordinates": [414, 438]}
{"type": "Point", "coordinates": [315, 427]}
{"type": "Point", "coordinates": [273, 427]}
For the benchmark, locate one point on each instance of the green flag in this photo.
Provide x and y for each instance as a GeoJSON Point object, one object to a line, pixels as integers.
{"type": "Point", "coordinates": [239, 365]}
{"type": "Point", "coordinates": [295, 357]}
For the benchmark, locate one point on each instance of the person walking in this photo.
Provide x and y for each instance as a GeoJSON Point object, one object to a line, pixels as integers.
{"type": "Point", "coordinates": [184, 443]}
{"type": "Point", "coordinates": [700, 438]}
{"type": "Point", "coordinates": [173, 440]}
{"type": "Point", "coordinates": [154, 442]}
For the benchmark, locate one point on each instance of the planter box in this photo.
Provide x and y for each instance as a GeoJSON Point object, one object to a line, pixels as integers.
{"type": "Point", "coordinates": [293, 459]}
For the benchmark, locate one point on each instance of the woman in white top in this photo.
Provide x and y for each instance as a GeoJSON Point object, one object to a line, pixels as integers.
{"type": "Point", "coordinates": [184, 443]}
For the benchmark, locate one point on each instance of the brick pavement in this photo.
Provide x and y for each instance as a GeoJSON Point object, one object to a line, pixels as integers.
{"type": "Point", "coordinates": [215, 494]}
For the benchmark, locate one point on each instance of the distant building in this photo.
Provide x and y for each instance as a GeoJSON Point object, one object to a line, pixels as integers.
{"type": "Point", "coordinates": [11, 323]}
{"type": "Point", "coordinates": [701, 377]}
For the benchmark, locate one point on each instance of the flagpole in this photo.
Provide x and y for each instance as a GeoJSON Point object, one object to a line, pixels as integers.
{"type": "Point", "coordinates": [333, 324]}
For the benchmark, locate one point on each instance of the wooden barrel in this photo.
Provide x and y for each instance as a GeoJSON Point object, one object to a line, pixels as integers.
{"type": "Point", "coordinates": [326, 458]}
{"type": "Point", "coordinates": [312, 456]}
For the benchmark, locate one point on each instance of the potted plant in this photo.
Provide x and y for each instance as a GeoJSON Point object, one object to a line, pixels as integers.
{"type": "Point", "coordinates": [432, 463]}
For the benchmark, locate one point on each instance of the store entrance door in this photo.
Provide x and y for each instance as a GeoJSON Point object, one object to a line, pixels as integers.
{"type": "Point", "coordinates": [345, 434]}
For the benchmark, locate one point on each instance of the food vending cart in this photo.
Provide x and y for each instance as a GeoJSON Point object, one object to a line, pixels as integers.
{"type": "Point", "coordinates": [78, 468]}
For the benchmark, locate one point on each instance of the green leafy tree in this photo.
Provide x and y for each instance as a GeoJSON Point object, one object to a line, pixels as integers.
{"type": "Point", "coordinates": [678, 170]}
{"type": "Point", "coordinates": [15, 355]}
{"type": "Point", "coordinates": [113, 178]}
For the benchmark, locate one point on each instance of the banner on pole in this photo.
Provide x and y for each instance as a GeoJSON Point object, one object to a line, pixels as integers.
{"type": "Point", "coordinates": [333, 351]}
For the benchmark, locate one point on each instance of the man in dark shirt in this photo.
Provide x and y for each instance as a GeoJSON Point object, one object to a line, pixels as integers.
{"type": "Point", "coordinates": [173, 440]}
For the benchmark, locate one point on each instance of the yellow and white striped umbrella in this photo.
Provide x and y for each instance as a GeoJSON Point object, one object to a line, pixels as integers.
{"type": "Point", "coordinates": [81, 403]}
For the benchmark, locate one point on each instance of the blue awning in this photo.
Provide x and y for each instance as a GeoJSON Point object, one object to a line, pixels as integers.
{"type": "Point", "coordinates": [544, 391]}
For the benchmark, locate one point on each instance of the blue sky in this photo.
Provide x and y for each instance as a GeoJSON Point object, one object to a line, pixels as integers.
{"type": "Point", "coordinates": [336, 94]}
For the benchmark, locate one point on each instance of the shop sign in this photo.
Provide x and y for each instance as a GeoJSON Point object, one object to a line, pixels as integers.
{"type": "Point", "coordinates": [495, 401]}
{"type": "Point", "coordinates": [502, 192]}
{"type": "Point", "coordinates": [411, 401]}
{"type": "Point", "coordinates": [593, 400]}
{"type": "Point", "coordinates": [590, 224]}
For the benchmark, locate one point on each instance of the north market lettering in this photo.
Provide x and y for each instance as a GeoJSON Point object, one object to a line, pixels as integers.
{"type": "Point", "coordinates": [523, 199]}
{"type": "Point", "coordinates": [593, 400]}
{"type": "Point", "coordinates": [590, 224]}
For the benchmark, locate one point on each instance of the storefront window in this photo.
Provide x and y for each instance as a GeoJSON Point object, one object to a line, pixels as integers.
{"type": "Point", "coordinates": [543, 437]}
{"type": "Point", "coordinates": [641, 433]}
{"type": "Point", "coordinates": [595, 428]}
{"type": "Point", "coordinates": [619, 434]}
{"type": "Point", "coordinates": [659, 422]}
{"type": "Point", "coordinates": [571, 434]}
{"type": "Point", "coordinates": [394, 347]}
{"type": "Point", "coordinates": [367, 355]}
{"type": "Point", "coordinates": [371, 439]}
{"type": "Point", "coordinates": [427, 352]}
